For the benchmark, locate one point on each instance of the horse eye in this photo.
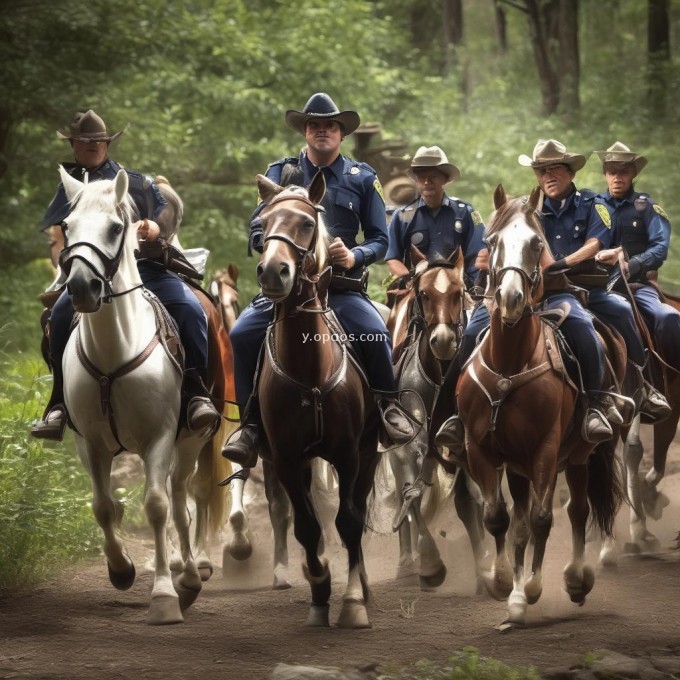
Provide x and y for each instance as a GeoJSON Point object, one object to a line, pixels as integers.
{"type": "Point", "coordinates": [309, 224]}
{"type": "Point", "coordinates": [118, 228]}
{"type": "Point", "coordinates": [424, 295]}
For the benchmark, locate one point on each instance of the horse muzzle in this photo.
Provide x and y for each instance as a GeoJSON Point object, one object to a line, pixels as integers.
{"type": "Point", "coordinates": [85, 289]}
{"type": "Point", "coordinates": [276, 278]}
{"type": "Point", "coordinates": [443, 342]}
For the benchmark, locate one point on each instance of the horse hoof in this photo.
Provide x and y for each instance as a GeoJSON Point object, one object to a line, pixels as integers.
{"type": "Point", "coordinates": [240, 550]}
{"type": "Point", "coordinates": [164, 610]}
{"type": "Point", "coordinates": [496, 586]}
{"type": "Point", "coordinates": [240, 547]}
{"type": "Point", "coordinates": [353, 615]}
{"type": "Point", "coordinates": [631, 549]}
{"type": "Point", "coordinates": [578, 586]}
{"type": "Point", "coordinates": [508, 626]}
{"type": "Point", "coordinates": [281, 584]}
{"type": "Point", "coordinates": [318, 616]}
{"type": "Point", "coordinates": [429, 581]}
{"type": "Point", "coordinates": [122, 580]}
{"type": "Point", "coordinates": [205, 569]}
{"type": "Point", "coordinates": [186, 596]}
{"type": "Point", "coordinates": [406, 571]}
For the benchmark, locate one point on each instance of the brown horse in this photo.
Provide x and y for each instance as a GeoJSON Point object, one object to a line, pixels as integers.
{"type": "Point", "coordinates": [426, 323]}
{"type": "Point", "coordinates": [224, 289]}
{"type": "Point", "coordinates": [518, 408]}
{"type": "Point", "coordinates": [314, 400]}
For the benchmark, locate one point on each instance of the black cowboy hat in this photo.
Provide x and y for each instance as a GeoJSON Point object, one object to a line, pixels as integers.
{"type": "Point", "coordinates": [320, 105]}
{"type": "Point", "coordinates": [88, 127]}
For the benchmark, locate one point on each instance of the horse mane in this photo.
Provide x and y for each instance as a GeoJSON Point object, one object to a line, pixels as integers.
{"type": "Point", "coordinates": [170, 218]}
{"type": "Point", "coordinates": [96, 196]}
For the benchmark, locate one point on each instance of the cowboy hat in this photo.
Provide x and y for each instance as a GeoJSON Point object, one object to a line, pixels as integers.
{"type": "Point", "coordinates": [320, 105]}
{"type": "Point", "coordinates": [551, 152]}
{"type": "Point", "coordinates": [620, 153]}
{"type": "Point", "coordinates": [88, 127]}
{"type": "Point", "coordinates": [434, 157]}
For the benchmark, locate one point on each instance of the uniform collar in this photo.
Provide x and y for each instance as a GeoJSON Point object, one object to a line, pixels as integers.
{"type": "Point", "coordinates": [336, 168]}
{"type": "Point", "coordinates": [628, 198]}
{"type": "Point", "coordinates": [556, 207]}
{"type": "Point", "coordinates": [103, 171]}
{"type": "Point", "coordinates": [446, 203]}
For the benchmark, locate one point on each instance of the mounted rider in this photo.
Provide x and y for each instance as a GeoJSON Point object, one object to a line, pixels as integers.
{"type": "Point", "coordinates": [641, 231]}
{"type": "Point", "coordinates": [90, 142]}
{"type": "Point", "coordinates": [576, 225]}
{"type": "Point", "coordinates": [353, 202]}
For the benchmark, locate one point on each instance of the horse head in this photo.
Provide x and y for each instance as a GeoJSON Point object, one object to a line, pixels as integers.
{"type": "Point", "coordinates": [224, 289]}
{"type": "Point", "coordinates": [295, 242]}
{"type": "Point", "coordinates": [96, 236]}
{"type": "Point", "coordinates": [516, 241]}
{"type": "Point", "coordinates": [439, 299]}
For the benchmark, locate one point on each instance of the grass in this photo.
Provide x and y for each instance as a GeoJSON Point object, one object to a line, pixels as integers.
{"type": "Point", "coordinates": [467, 664]}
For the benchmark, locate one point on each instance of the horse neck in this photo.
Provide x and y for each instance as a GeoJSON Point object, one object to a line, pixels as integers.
{"type": "Point", "coordinates": [302, 357]}
{"type": "Point", "coordinates": [510, 348]}
{"type": "Point", "coordinates": [119, 330]}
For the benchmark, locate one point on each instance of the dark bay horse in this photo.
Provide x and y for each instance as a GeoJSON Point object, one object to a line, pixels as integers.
{"type": "Point", "coordinates": [426, 323]}
{"type": "Point", "coordinates": [518, 408]}
{"type": "Point", "coordinates": [314, 400]}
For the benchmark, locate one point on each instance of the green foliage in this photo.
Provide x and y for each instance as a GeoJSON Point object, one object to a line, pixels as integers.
{"type": "Point", "coordinates": [467, 664]}
{"type": "Point", "coordinates": [45, 515]}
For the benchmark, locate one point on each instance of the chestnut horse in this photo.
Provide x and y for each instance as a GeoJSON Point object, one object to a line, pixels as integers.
{"type": "Point", "coordinates": [519, 411]}
{"type": "Point", "coordinates": [314, 400]}
{"type": "Point", "coordinates": [426, 323]}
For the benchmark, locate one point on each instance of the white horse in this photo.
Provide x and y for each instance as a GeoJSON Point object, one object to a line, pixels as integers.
{"type": "Point", "coordinates": [122, 387]}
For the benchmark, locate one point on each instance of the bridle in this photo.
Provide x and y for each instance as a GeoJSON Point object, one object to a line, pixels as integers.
{"type": "Point", "coordinates": [111, 264]}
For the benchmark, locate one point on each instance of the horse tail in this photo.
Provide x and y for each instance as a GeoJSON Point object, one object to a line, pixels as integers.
{"type": "Point", "coordinates": [606, 490]}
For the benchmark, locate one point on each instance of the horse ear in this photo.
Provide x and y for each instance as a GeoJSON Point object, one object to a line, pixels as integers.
{"type": "Point", "coordinates": [535, 198]}
{"type": "Point", "coordinates": [267, 188]}
{"type": "Point", "coordinates": [72, 186]}
{"type": "Point", "coordinates": [233, 271]}
{"type": "Point", "coordinates": [121, 184]}
{"type": "Point", "coordinates": [317, 188]}
{"type": "Point", "coordinates": [416, 255]}
{"type": "Point", "coordinates": [499, 197]}
{"type": "Point", "coordinates": [456, 257]}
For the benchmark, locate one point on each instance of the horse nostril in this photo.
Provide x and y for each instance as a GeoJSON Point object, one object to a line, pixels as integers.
{"type": "Point", "coordinates": [259, 271]}
{"type": "Point", "coordinates": [434, 340]}
{"type": "Point", "coordinates": [285, 269]}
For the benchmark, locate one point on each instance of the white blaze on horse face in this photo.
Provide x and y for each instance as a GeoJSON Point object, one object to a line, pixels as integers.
{"type": "Point", "coordinates": [513, 252]}
{"type": "Point", "coordinates": [442, 281]}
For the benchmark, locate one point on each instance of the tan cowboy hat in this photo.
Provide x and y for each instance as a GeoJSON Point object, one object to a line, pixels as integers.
{"type": "Point", "coordinates": [320, 105]}
{"type": "Point", "coordinates": [87, 127]}
{"type": "Point", "coordinates": [434, 157]}
{"type": "Point", "coordinates": [551, 152]}
{"type": "Point", "coordinates": [620, 153]}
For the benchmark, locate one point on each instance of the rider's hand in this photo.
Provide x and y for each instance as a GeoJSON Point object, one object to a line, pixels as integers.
{"type": "Point", "coordinates": [147, 230]}
{"type": "Point", "coordinates": [609, 256]}
{"type": "Point", "coordinates": [482, 261]}
{"type": "Point", "coordinates": [341, 255]}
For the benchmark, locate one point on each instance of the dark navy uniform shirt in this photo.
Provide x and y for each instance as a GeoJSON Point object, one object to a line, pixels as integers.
{"type": "Point", "coordinates": [146, 197]}
{"type": "Point", "coordinates": [642, 228]}
{"type": "Point", "coordinates": [569, 223]}
{"type": "Point", "coordinates": [436, 236]}
{"type": "Point", "coordinates": [353, 202]}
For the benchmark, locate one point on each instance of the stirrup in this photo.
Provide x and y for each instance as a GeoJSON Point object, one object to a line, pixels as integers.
{"type": "Point", "coordinates": [600, 431]}
{"type": "Point", "coordinates": [202, 415]}
{"type": "Point", "coordinates": [410, 494]}
{"type": "Point", "coordinates": [53, 425]}
{"type": "Point", "coordinates": [397, 424]}
{"type": "Point", "coordinates": [654, 407]}
{"type": "Point", "coordinates": [242, 446]}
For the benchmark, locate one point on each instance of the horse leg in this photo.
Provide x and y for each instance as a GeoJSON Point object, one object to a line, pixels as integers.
{"type": "Point", "coordinates": [189, 583]}
{"type": "Point", "coordinates": [120, 566]}
{"type": "Point", "coordinates": [403, 463]}
{"type": "Point", "coordinates": [279, 514]}
{"type": "Point", "coordinates": [432, 568]}
{"type": "Point", "coordinates": [469, 509]}
{"type": "Point", "coordinates": [239, 545]}
{"type": "Point", "coordinates": [296, 483]}
{"type": "Point", "coordinates": [350, 526]}
{"type": "Point", "coordinates": [165, 606]}
{"type": "Point", "coordinates": [579, 578]}
{"type": "Point", "coordinates": [498, 581]}
{"type": "Point", "coordinates": [520, 489]}
{"type": "Point", "coordinates": [200, 488]}
{"type": "Point", "coordinates": [664, 433]}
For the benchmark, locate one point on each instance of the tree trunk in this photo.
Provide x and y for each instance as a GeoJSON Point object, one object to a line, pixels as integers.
{"type": "Point", "coordinates": [568, 58]}
{"type": "Point", "coordinates": [658, 55]}
{"type": "Point", "coordinates": [501, 26]}
{"type": "Point", "coordinates": [539, 14]}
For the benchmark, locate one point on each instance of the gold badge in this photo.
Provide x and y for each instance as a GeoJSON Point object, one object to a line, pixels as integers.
{"type": "Point", "coordinates": [604, 215]}
{"type": "Point", "coordinates": [658, 209]}
{"type": "Point", "coordinates": [476, 218]}
{"type": "Point", "coordinates": [379, 189]}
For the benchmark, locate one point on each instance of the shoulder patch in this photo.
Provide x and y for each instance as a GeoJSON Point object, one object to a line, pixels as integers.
{"type": "Point", "coordinates": [604, 215]}
{"type": "Point", "coordinates": [379, 189]}
{"type": "Point", "coordinates": [658, 209]}
{"type": "Point", "coordinates": [476, 217]}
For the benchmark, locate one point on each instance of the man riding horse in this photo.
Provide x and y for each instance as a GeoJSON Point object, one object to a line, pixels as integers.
{"type": "Point", "coordinates": [353, 202]}
{"type": "Point", "coordinates": [641, 228]}
{"type": "Point", "coordinates": [577, 225]}
{"type": "Point", "coordinates": [90, 142]}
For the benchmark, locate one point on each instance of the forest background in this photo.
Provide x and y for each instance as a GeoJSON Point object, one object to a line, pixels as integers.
{"type": "Point", "coordinates": [201, 89]}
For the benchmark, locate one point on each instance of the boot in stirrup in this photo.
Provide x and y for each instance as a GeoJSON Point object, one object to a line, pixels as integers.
{"type": "Point", "coordinates": [397, 425]}
{"type": "Point", "coordinates": [202, 416]}
{"type": "Point", "coordinates": [596, 427]}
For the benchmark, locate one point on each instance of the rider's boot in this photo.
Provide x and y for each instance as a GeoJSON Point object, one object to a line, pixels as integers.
{"type": "Point", "coordinates": [397, 424]}
{"type": "Point", "coordinates": [596, 427]}
{"type": "Point", "coordinates": [653, 405]}
{"type": "Point", "coordinates": [452, 435]}
{"type": "Point", "coordinates": [202, 416]}
{"type": "Point", "coordinates": [55, 418]}
{"type": "Point", "coordinates": [245, 443]}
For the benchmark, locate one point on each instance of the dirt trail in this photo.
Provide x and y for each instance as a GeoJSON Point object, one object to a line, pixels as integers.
{"type": "Point", "coordinates": [78, 627]}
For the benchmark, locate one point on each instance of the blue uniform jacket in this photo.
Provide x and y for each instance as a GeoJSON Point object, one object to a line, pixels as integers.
{"type": "Point", "coordinates": [568, 224]}
{"type": "Point", "coordinates": [643, 229]}
{"type": "Point", "coordinates": [353, 201]}
{"type": "Point", "coordinates": [147, 199]}
{"type": "Point", "coordinates": [456, 224]}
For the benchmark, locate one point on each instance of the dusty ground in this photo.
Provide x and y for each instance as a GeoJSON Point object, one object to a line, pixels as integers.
{"type": "Point", "coordinates": [77, 626]}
